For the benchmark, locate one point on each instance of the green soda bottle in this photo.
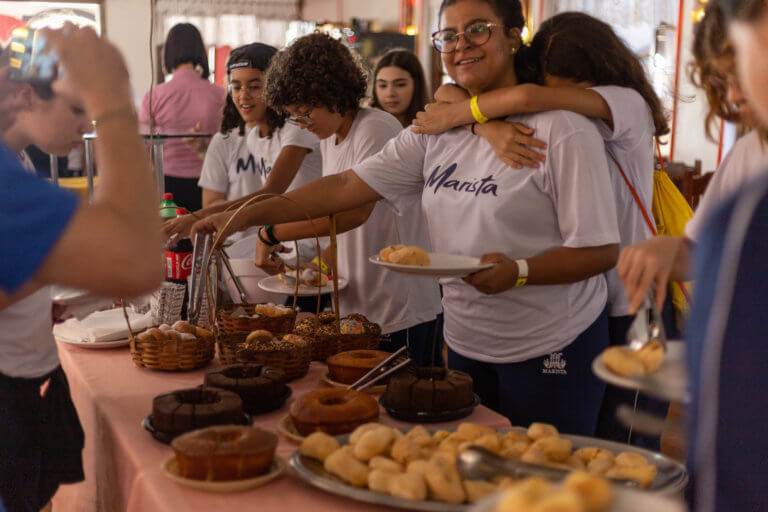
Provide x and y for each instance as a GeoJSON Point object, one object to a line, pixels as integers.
{"type": "Point", "coordinates": [168, 207]}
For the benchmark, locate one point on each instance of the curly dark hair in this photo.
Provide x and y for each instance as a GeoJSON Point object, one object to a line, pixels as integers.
{"type": "Point", "coordinates": [257, 55]}
{"type": "Point", "coordinates": [580, 47]}
{"type": "Point", "coordinates": [316, 70]}
{"type": "Point", "coordinates": [407, 61]}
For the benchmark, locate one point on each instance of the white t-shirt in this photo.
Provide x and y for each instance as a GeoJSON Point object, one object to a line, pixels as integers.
{"type": "Point", "coordinates": [27, 347]}
{"type": "Point", "coordinates": [631, 144]}
{"type": "Point", "coordinates": [393, 301]}
{"type": "Point", "coordinates": [475, 204]}
{"type": "Point", "coordinates": [744, 161]}
{"type": "Point", "coordinates": [239, 165]}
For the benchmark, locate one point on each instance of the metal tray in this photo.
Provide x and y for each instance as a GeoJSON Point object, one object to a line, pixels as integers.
{"type": "Point", "coordinates": [672, 477]}
{"type": "Point", "coordinates": [430, 417]}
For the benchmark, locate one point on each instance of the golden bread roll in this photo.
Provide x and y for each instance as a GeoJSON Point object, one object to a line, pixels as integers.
{"type": "Point", "coordinates": [356, 434]}
{"type": "Point", "coordinates": [630, 459]}
{"type": "Point", "coordinates": [440, 435]}
{"type": "Point", "coordinates": [595, 492]}
{"type": "Point", "coordinates": [410, 256]}
{"type": "Point", "coordinates": [417, 466]}
{"type": "Point", "coordinates": [318, 445]}
{"type": "Point", "coordinates": [182, 326]}
{"type": "Point", "coordinates": [538, 431]}
{"type": "Point", "coordinates": [378, 480]}
{"type": "Point", "coordinates": [373, 443]}
{"type": "Point", "coordinates": [471, 431]}
{"type": "Point", "coordinates": [259, 336]}
{"type": "Point", "coordinates": [443, 479]}
{"type": "Point", "coordinates": [343, 464]}
{"type": "Point", "coordinates": [556, 449]}
{"type": "Point", "coordinates": [623, 362]}
{"type": "Point", "coordinates": [385, 464]}
{"type": "Point", "coordinates": [409, 486]}
{"type": "Point", "coordinates": [404, 450]}
{"type": "Point", "coordinates": [387, 251]}
{"type": "Point", "coordinates": [652, 355]}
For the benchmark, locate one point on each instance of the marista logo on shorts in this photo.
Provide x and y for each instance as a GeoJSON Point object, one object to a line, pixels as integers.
{"type": "Point", "coordinates": [441, 180]}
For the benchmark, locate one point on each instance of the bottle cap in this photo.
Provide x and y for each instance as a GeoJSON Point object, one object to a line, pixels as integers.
{"type": "Point", "coordinates": [168, 196]}
{"type": "Point", "coordinates": [181, 211]}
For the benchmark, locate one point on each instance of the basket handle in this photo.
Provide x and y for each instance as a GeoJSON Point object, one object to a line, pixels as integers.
{"type": "Point", "coordinates": [219, 241]}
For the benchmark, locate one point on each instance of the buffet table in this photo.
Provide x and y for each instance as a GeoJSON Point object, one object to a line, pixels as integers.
{"type": "Point", "coordinates": [122, 461]}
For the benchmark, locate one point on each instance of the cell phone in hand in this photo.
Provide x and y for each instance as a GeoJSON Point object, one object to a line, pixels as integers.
{"type": "Point", "coordinates": [31, 62]}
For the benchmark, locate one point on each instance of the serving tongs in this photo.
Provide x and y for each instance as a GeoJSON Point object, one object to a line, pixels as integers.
{"type": "Point", "coordinates": [643, 330]}
{"type": "Point", "coordinates": [393, 363]}
{"type": "Point", "coordinates": [200, 255]}
{"type": "Point", "coordinates": [235, 279]}
{"type": "Point", "coordinates": [477, 463]}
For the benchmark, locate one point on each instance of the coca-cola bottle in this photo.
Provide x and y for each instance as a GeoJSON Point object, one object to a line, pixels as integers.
{"type": "Point", "coordinates": [178, 263]}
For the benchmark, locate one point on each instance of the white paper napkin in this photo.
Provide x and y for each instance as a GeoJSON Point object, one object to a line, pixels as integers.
{"type": "Point", "coordinates": [106, 325]}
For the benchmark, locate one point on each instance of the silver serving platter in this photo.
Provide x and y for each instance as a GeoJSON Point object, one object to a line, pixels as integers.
{"type": "Point", "coordinates": [671, 479]}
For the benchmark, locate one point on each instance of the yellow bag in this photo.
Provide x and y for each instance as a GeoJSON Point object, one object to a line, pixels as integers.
{"type": "Point", "coordinates": [671, 212]}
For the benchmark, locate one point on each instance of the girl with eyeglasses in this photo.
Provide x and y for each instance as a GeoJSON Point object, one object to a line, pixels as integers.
{"type": "Point", "coordinates": [399, 86]}
{"type": "Point", "coordinates": [321, 83]}
{"type": "Point", "coordinates": [527, 329]}
{"type": "Point", "coordinates": [578, 63]}
{"type": "Point", "coordinates": [255, 151]}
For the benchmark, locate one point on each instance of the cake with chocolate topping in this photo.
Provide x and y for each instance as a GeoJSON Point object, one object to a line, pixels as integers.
{"type": "Point", "coordinates": [188, 409]}
{"type": "Point", "coordinates": [429, 389]}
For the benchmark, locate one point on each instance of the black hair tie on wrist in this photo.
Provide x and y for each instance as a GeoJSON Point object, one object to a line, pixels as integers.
{"type": "Point", "coordinates": [270, 240]}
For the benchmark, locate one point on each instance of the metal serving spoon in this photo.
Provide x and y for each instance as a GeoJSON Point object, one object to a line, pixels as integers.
{"type": "Point", "coordinates": [643, 331]}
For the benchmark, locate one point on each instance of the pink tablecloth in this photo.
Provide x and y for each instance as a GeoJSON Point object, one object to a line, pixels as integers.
{"type": "Point", "coordinates": [122, 461]}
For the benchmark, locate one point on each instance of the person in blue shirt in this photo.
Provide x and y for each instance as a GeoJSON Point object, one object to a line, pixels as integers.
{"type": "Point", "coordinates": [110, 246]}
{"type": "Point", "coordinates": [726, 351]}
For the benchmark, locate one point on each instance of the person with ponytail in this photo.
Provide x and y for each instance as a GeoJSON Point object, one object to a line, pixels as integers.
{"type": "Point", "coordinates": [528, 328]}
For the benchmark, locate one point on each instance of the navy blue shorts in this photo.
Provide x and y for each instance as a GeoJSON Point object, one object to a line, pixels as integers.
{"type": "Point", "coordinates": [558, 388]}
{"type": "Point", "coordinates": [425, 342]}
{"type": "Point", "coordinates": [41, 440]}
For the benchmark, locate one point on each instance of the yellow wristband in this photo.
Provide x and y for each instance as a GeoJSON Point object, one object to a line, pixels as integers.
{"type": "Point", "coordinates": [522, 273]}
{"type": "Point", "coordinates": [479, 117]}
{"type": "Point", "coordinates": [321, 265]}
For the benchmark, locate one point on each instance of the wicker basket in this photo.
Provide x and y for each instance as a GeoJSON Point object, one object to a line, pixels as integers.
{"type": "Point", "coordinates": [173, 355]}
{"type": "Point", "coordinates": [328, 344]}
{"type": "Point", "coordinates": [294, 362]}
{"type": "Point", "coordinates": [229, 324]}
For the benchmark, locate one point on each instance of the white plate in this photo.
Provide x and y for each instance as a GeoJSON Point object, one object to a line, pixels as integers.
{"type": "Point", "coordinates": [625, 500]}
{"type": "Point", "coordinates": [670, 382]}
{"type": "Point", "coordinates": [286, 427]}
{"type": "Point", "coordinates": [96, 345]}
{"type": "Point", "coordinates": [170, 468]}
{"type": "Point", "coordinates": [275, 285]}
{"type": "Point", "coordinates": [441, 265]}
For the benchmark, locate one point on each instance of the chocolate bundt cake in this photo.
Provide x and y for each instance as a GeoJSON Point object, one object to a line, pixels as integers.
{"type": "Point", "coordinates": [425, 389]}
{"type": "Point", "coordinates": [261, 388]}
{"type": "Point", "coordinates": [188, 409]}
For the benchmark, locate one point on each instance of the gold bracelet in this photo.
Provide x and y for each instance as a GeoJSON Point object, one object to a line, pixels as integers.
{"type": "Point", "coordinates": [117, 113]}
{"type": "Point", "coordinates": [479, 117]}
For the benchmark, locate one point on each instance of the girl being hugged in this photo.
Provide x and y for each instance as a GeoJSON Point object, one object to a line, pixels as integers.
{"type": "Point", "coordinates": [528, 328]}
{"type": "Point", "coordinates": [320, 83]}
{"type": "Point", "coordinates": [576, 62]}
{"type": "Point", "coordinates": [399, 86]}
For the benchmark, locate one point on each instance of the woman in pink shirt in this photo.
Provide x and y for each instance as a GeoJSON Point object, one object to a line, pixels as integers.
{"type": "Point", "coordinates": [188, 101]}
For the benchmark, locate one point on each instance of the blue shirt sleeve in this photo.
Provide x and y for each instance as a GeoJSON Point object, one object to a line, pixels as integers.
{"type": "Point", "coordinates": [33, 215]}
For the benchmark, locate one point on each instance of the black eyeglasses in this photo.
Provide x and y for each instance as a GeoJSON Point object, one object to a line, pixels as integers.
{"type": "Point", "coordinates": [302, 119]}
{"type": "Point", "coordinates": [477, 34]}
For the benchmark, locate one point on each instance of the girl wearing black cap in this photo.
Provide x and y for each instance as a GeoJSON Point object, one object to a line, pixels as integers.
{"type": "Point", "coordinates": [255, 152]}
